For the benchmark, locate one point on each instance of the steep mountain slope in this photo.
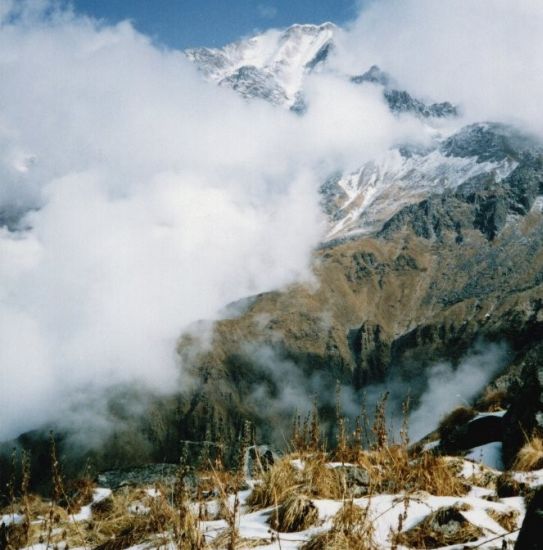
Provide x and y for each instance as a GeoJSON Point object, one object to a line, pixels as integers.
{"type": "Point", "coordinates": [460, 266]}
{"type": "Point", "coordinates": [428, 252]}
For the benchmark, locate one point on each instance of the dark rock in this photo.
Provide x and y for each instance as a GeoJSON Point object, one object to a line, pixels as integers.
{"type": "Point", "coordinates": [259, 458]}
{"type": "Point", "coordinates": [321, 56]}
{"type": "Point", "coordinates": [531, 533]}
{"type": "Point", "coordinates": [475, 433]}
{"type": "Point", "coordinates": [357, 480]}
{"type": "Point", "coordinates": [374, 75]}
{"type": "Point", "coordinates": [252, 82]}
{"type": "Point", "coordinates": [142, 475]}
{"type": "Point", "coordinates": [507, 486]}
{"type": "Point", "coordinates": [371, 353]}
{"type": "Point", "coordinates": [489, 142]}
{"type": "Point", "coordinates": [400, 101]}
{"type": "Point", "coordinates": [525, 415]}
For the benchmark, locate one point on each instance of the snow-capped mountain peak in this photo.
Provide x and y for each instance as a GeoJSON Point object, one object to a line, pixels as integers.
{"type": "Point", "coordinates": [270, 65]}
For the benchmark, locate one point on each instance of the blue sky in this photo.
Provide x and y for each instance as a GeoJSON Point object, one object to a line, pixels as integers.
{"type": "Point", "coordinates": [186, 23]}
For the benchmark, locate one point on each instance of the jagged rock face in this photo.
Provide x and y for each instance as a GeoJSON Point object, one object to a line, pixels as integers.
{"type": "Point", "coordinates": [490, 163]}
{"type": "Point", "coordinates": [462, 264]}
{"type": "Point", "coordinates": [272, 66]}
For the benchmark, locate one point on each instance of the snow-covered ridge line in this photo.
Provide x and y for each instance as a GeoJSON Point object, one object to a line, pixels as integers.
{"type": "Point", "coordinates": [277, 59]}
{"type": "Point", "coordinates": [367, 198]}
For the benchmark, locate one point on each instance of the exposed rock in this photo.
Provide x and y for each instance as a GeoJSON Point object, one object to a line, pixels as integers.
{"type": "Point", "coordinates": [507, 486]}
{"type": "Point", "coordinates": [143, 475]}
{"type": "Point", "coordinates": [530, 536]}
{"type": "Point", "coordinates": [357, 480]}
{"type": "Point", "coordinates": [525, 416]}
{"type": "Point", "coordinates": [259, 458]}
{"type": "Point", "coordinates": [444, 527]}
{"type": "Point", "coordinates": [474, 433]}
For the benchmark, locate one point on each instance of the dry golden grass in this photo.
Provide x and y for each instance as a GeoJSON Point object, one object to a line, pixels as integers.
{"type": "Point", "coordinates": [14, 536]}
{"type": "Point", "coordinates": [112, 525]}
{"type": "Point", "coordinates": [444, 527]}
{"type": "Point", "coordinates": [296, 513]}
{"type": "Point", "coordinates": [392, 470]}
{"type": "Point", "coordinates": [507, 520]}
{"type": "Point", "coordinates": [352, 529]}
{"type": "Point", "coordinates": [530, 456]}
{"type": "Point", "coordinates": [223, 541]}
{"type": "Point", "coordinates": [276, 484]}
{"type": "Point", "coordinates": [493, 399]}
{"type": "Point", "coordinates": [315, 479]}
{"type": "Point", "coordinates": [319, 480]}
{"type": "Point", "coordinates": [339, 541]}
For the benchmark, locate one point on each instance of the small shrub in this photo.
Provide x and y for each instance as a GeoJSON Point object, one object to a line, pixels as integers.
{"type": "Point", "coordinates": [530, 456]}
{"type": "Point", "coordinates": [493, 399]}
{"type": "Point", "coordinates": [392, 470]}
{"type": "Point", "coordinates": [315, 479]}
{"type": "Point", "coordinates": [444, 527]}
{"type": "Point", "coordinates": [351, 530]}
{"type": "Point", "coordinates": [297, 513]}
{"type": "Point", "coordinates": [507, 520]}
{"type": "Point", "coordinates": [275, 486]}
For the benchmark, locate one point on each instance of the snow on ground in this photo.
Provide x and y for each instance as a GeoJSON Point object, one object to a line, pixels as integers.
{"type": "Point", "coordinates": [533, 479]}
{"type": "Point", "coordinates": [10, 519]}
{"type": "Point", "coordinates": [384, 509]}
{"type": "Point", "coordinates": [489, 454]}
{"type": "Point", "coordinates": [499, 414]}
{"type": "Point", "coordinates": [86, 513]}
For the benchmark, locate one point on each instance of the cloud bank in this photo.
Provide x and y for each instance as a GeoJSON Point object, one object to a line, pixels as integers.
{"type": "Point", "coordinates": [136, 199]}
{"type": "Point", "coordinates": [486, 56]}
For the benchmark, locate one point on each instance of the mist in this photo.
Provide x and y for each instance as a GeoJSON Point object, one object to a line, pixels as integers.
{"type": "Point", "coordinates": [485, 56]}
{"type": "Point", "coordinates": [449, 387]}
{"type": "Point", "coordinates": [137, 199]}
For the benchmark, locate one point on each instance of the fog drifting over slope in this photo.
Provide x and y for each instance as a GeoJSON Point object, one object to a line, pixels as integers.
{"type": "Point", "coordinates": [156, 198]}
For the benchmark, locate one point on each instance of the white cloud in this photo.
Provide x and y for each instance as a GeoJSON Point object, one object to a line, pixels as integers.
{"type": "Point", "coordinates": [485, 55]}
{"type": "Point", "coordinates": [158, 198]}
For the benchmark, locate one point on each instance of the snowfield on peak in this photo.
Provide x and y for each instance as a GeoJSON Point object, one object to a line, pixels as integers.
{"type": "Point", "coordinates": [272, 66]}
{"type": "Point", "coordinates": [361, 202]}
{"type": "Point", "coordinates": [277, 58]}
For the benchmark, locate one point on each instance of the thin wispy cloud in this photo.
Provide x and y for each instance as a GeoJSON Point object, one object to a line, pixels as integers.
{"type": "Point", "coordinates": [267, 11]}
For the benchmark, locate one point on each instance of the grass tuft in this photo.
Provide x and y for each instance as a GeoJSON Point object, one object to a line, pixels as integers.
{"type": "Point", "coordinates": [530, 456]}
{"type": "Point", "coordinates": [297, 513]}
{"type": "Point", "coordinates": [445, 527]}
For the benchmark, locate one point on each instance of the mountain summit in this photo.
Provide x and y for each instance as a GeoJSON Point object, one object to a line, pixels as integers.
{"type": "Point", "coordinates": [271, 65]}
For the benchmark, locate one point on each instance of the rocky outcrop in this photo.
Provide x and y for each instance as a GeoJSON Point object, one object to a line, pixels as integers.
{"type": "Point", "coordinates": [477, 432]}
{"type": "Point", "coordinates": [525, 416]}
{"type": "Point", "coordinates": [529, 537]}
